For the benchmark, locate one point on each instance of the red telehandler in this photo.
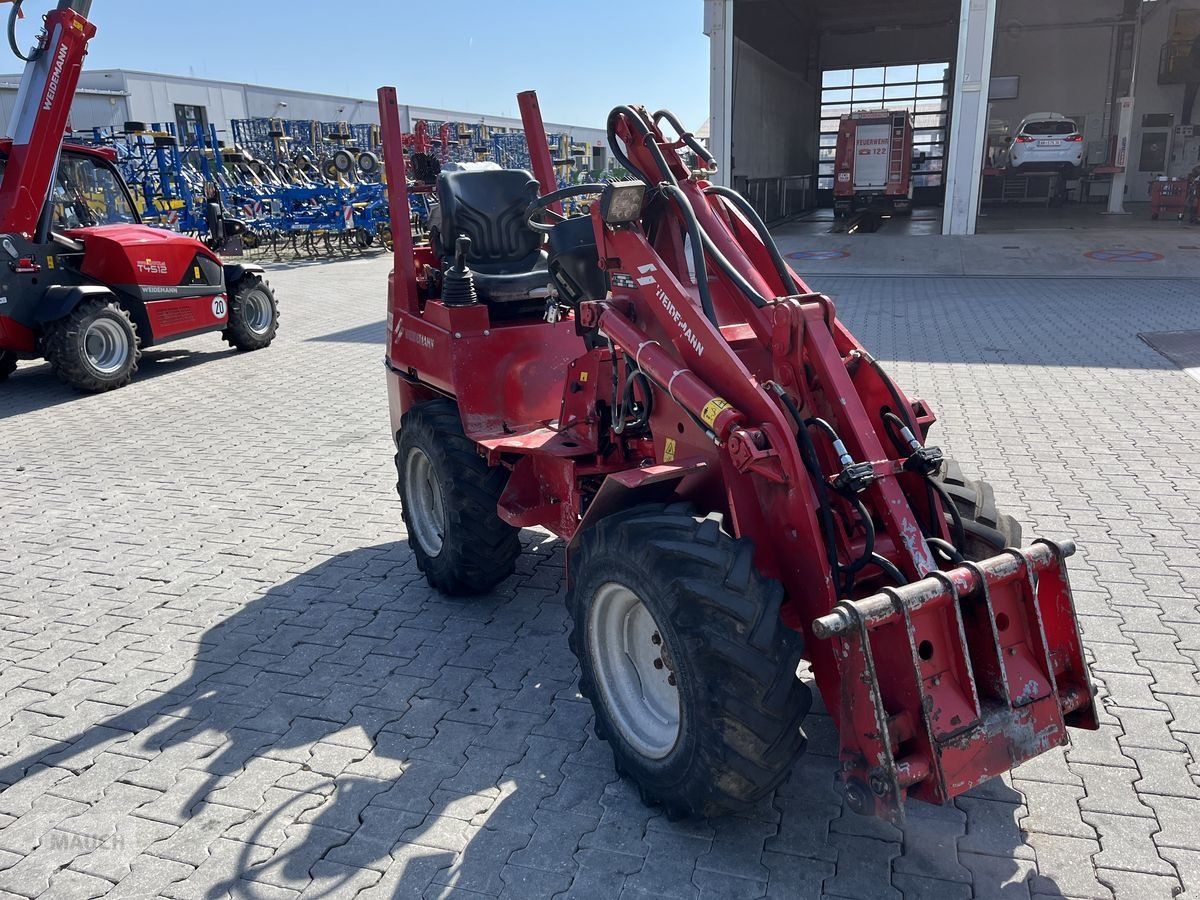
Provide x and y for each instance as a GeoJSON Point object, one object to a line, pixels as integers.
{"type": "Point", "coordinates": [82, 282]}
{"type": "Point", "coordinates": [740, 484]}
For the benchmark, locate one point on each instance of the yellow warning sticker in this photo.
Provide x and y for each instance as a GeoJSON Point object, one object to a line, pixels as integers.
{"type": "Point", "coordinates": [669, 451]}
{"type": "Point", "coordinates": [49, 262]}
{"type": "Point", "coordinates": [583, 376]}
{"type": "Point", "coordinates": [196, 272]}
{"type": "Point", "coordinates": [712, 409]}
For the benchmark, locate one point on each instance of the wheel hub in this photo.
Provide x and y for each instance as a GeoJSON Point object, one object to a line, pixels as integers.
{"type": "Point", "coordinates": [634, 669]}
{"type": "Point", "coordinates": [257, 311]}
{"type": "Point", "coordinates": [423, 502]}
{"type": "Point", "coordinates": [106, 346]}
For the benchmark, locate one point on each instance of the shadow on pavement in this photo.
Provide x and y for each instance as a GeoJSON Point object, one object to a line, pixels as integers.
{"type": "Point", "coordinates": [350, 727]}
{"type": "Point", "coordinates": [372, 333]}
{"type": "Point", "coordinates": [34, 386]}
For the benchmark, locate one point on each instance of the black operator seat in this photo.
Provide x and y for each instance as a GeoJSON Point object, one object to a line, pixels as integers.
{"type": "Point", "coordinates": [506, 254]}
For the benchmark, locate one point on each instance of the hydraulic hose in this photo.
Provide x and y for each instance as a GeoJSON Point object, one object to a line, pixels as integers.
{"type": "Point", "coordinates": [864, 517]}
{"type": "Point", "coordinates": [687, 137]}
{"type": "Point", "coordinates": [732, 273]}
{"type": "Point", "coordinates": [647, 138]}
{"type": "Point", "coordinates": [698, 239]}
{"type": "Point", "coordinates": [812, 464]}
{"type": "Point", "coordinates": [889, 569]}
{"type": "Point", "coordinates": [901, 406]}
{"type": "Point", "coordinates": [760, 227]}
{"type": "Point", "coordinates": [13, 15]}
{"type": "Point", "coordinates": [890, 421]}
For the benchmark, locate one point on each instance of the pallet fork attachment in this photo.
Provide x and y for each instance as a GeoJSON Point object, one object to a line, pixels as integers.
{"type": "Point", "coordinates": [935, 720]}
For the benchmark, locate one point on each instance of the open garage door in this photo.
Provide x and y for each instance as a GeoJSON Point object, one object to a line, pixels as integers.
{"type": "Point", "coordinates": [922, 89]}
{"type": "Point", "coordinates": [1056, 152]}
{"type": "Point", "coordinates": [798, 66]}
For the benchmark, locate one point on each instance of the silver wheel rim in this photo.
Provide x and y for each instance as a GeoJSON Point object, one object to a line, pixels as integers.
{"type": "Point", "coordinates": [256, 311]}
{"type": "Point", "coordinates": [106, 346]}
{"type": "Point", "coordinates": [423, 502]}
{"type": "Point", "coordinates": [634, 670]}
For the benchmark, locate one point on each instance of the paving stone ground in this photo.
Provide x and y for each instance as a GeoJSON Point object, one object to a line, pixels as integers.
{"type": "Point", "coordinates": [221, 674]}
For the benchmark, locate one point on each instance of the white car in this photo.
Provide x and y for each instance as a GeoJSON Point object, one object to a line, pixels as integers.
{"type": "Point", "coordinates": [1046, 141]}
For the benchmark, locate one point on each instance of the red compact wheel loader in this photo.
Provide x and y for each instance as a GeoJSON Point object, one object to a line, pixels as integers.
{"type": "Point", "coordinates": [82, 282]}
{"type": "Point", "coordinates": [740, 484]}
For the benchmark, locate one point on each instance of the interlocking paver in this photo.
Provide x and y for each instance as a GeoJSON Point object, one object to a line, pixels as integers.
{"type": "Point", "coordinates": [224, 669]}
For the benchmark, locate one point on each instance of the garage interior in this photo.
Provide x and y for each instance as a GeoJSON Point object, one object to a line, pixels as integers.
{"type": "Point", "coordinates": [792, 68]}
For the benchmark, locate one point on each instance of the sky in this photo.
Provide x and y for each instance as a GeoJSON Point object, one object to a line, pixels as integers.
{"type": "Point", "coordinates": [583, 57]}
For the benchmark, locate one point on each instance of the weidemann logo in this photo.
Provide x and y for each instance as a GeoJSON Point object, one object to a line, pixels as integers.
{"type": "Point", "coordinates": [52, 87]}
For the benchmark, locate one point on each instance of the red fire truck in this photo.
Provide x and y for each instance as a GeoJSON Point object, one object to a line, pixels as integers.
{"type": "Point", "coordinates": [873, 165]}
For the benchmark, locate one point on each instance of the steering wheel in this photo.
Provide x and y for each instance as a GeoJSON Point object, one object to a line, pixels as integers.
{"type": "Point", "coordinates": [540, 207]}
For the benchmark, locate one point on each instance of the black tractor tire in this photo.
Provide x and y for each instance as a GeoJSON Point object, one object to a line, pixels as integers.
{"type": "Point", "coordinates": [8, 364]}
{"type": "Point", "coordinates": [988, 531]}
{"type": "Point", "coordinates": [716, 626]}
{"type": "Point", "coordinates": [445, 485]}
{"type": "Point", "coordinates": [66, 341]}
{"type": "Point", "coordinates": [253, 315]}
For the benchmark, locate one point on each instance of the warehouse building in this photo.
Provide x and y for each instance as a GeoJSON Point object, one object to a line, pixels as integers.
{"type": "Point", "coordinates": [1124, 73]}
{"type": "Point", "coordinates": [112, 97]}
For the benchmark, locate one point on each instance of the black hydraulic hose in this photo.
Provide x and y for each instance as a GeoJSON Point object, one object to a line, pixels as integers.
{"type": "Point", "coordinates": [946, 548]}
{"type": "Point", "coordinates": [825, 427]}
{"type": "Point", "coordinates": [13, 14]}
{"type": "Point", "coordinates": [760, 227]}
{"type": "Point", "coordinates": [889, 569]}
{"type": "Point", "coordinates": [629, 400]}
{"type": "Point", "coordinates": [697, 238]}
{"type": "Point", "coordinates": [733, 274]}
{"type": "Point", "coordinates": [868, 537]}
{"type": "Point", "coordinates": [960, 531]}
{"type": "Point", "coordinates": [864, 517]}
{"type": "Point", "coordinates": [892, 420]}
{"type": "Point", "coordinates": [700, 240]}
{"type": "Point", "coordinates": [687, 137]}
{"type": "Point", "coordinates": [647, 138]}
{"type": "Point", "coordinates": [901, 406]}
{"type": "Point", "coordinates": [808, 453]}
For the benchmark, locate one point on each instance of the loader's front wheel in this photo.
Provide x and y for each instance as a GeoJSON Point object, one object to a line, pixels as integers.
{"type": "Point", "coordinates": [690, 672]}
{"type": "Point", "coordinates": [987, 530]}
{"type": "Point", "coordinates": [448, 496]}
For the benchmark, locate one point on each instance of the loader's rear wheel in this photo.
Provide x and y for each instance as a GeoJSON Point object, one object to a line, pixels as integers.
{"type": "Point", "coordinates": [449, 494]}
{"type": "Point", "coordinates": [94, 348]}
{"type": "Point", "coordinates": [690, 672]}
{"type": "Point", "coordinates": [988, 531]}
{"type": "Point", "coordinates": [253, 315]}
{"type": "Point", "coordinates": [8, 363]}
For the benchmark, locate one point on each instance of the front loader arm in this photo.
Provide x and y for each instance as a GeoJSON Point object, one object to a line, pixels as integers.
{"type": "Point", "coordinates": [939, 672]}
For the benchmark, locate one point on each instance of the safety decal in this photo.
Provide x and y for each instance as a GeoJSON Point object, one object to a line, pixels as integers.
{"type": "Point", "coordinates": [669, 450]}
{"type": "Point", "coordinates": [712, 409]}
{"type": "Point", "coordinates": [218, 307]}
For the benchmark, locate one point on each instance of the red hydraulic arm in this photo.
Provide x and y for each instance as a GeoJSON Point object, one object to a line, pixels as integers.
{"type": "Point", "coordinates": [40, 115]}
